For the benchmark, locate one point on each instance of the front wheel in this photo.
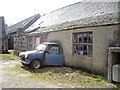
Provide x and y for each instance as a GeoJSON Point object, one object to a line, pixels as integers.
{"type": "Point", "coordinates": [36, 64]}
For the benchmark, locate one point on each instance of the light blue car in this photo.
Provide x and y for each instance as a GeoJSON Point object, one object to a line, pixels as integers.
{"type": "Point", "coordinates": [47, 53]}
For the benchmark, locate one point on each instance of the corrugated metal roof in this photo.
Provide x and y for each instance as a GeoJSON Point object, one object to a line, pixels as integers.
{"type": "Point", "coordinates": [23, 24]}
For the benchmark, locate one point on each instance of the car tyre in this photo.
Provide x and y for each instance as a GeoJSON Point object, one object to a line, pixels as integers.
{"type": "Point", "coordinates": [36, 64]}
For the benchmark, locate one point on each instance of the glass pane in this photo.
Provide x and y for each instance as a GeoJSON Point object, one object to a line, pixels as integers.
{"type": "Point", "coordinates": [54, 50]}
{"type": "Point", "coordinates": [90, 37]}
{"type": "Point", "coordinates": [85, 49]}
{"type": "Point", "coordinates": [89, 50]}
{"type": "Point", "coordinates": [76, 49]}
{"type": "Point", "coordinates": [80, 38]}
{"type": "Point", "coordinates": [41, 47]}
{"type": "Point", "coordinates": [80, 52]}
{"type": "Point", "coordinates": [75, 38]}
{"type": "Point", "coordinates": [85, 38]}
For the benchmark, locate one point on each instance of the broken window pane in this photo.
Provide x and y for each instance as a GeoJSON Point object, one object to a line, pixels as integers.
{"type": "Point", "coordinates": [85, 50]}
{"type": "Point", "coordinates": [80, 38]}
{"type": "Point", "coordinates": [75, 38]}
{"type": "Point", "coordinates": [80, 50]}
{"type": "Point", "coordinates": [76, 49]}
{"type": "Point", "coordinates": [83, 43]}
{"type": "Point", "coordinates": [90, 38]}
{"type": "Point", "coordinates": [85, 38]}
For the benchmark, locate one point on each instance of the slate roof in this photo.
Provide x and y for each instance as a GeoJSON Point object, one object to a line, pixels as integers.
{"type": "Point", "coordinates": [81, 14]}
{"type": "Point", "coordinates": [2, 28]}
{"type": "Point", "coordinates": [23, 24]}
{"type": "Point", "coordinates": [36, 25]}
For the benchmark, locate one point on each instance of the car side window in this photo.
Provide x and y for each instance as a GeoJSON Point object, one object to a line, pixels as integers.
{"type": "Point", "coordinates": [54, 50]}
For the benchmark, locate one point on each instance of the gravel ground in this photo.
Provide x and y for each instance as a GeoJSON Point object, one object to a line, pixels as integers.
{"type": "Point", "coordinates": [10, 79]}
{"type": "Point", "coordinates": [13, 76]}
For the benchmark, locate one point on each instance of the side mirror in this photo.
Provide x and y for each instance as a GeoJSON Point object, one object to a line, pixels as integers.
{"type": "Point", "coordinates": [46, 52]}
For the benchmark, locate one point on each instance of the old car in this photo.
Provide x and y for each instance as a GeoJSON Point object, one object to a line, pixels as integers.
{"type": "Point", "coordinates": [47, 53]}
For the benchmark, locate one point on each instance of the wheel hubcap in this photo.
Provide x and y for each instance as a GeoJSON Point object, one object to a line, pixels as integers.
{"type": "Point", "coordinates": [36, 65]}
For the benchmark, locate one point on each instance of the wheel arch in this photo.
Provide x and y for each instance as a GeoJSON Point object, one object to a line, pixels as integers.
{"type": "Point", "coordinates": [35, 59]}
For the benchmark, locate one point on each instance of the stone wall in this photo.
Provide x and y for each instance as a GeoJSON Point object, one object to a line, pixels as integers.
{"type": "Point", "coordinates": [102, 36]}
{"type": "Point", "coordinates": [24, 42]}
{"type": "Point", "coordinates": [20, 44]}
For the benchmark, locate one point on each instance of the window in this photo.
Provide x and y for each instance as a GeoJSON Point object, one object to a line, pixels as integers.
{"type": "Point", "coordinates": [54, 50]}
{"type": "Point", "coordinates": [82, 43]}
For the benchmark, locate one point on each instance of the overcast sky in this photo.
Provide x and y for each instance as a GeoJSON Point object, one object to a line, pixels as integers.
{"type": "Point", "coordinates": [17, 10]}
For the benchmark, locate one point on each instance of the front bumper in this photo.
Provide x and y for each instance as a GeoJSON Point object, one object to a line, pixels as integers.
{"type": "Point", "coordinates": [25, 62]}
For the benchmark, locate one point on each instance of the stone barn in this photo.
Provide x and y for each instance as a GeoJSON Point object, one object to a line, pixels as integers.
{"type": "Point", "coordinates": [29, 39]}
{"type": "Point", "coordinates": [3, 36]}
{"type": "Point", "coordinates": [19, 28]}
{"type": "Point", "coordinates": [85, 31]}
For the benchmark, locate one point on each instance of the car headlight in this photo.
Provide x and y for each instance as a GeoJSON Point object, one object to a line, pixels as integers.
{"type": "Point", "coordinates": [26, 56]}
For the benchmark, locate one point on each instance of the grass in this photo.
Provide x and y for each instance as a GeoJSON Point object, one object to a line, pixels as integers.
{"type": "Point", "coordinates": [65, 76]}
{"type": "Point", "coordinates": [9, 56]}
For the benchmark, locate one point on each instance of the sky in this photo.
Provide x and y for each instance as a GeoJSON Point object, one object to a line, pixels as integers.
{"type": "Point", "coordinates": [18, 10]}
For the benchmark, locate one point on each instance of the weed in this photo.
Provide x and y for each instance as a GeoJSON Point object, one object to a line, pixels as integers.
{"type": "Point", "coordinates": [9, 56]}
{"type": "Point", "coordinates": [78, 72]}
{"type": "Point", "coordinates": [98, 78]}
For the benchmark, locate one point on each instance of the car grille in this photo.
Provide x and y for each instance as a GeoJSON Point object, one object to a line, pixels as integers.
{"type": "Point", "coordinates": [22, 58]}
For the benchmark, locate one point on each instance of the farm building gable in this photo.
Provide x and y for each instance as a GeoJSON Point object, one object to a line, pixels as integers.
{"type": "Point", "coordinates": [23, 24]}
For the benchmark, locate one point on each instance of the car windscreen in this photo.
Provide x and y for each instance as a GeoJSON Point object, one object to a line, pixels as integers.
{"type": "Point", "coordinates": [41, 47]}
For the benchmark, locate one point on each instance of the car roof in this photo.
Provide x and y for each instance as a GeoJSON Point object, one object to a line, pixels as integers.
{"type": "Point", "coordinates": [50, 43]}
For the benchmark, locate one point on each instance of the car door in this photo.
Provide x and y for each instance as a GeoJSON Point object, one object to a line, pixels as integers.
{"type": "Point", "coordinates": [54, 56]}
